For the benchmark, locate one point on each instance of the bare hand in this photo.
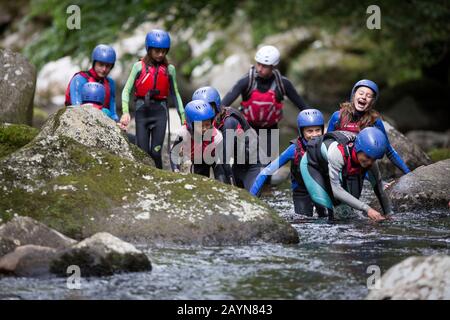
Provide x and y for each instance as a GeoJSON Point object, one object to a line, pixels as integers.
{"type": "Point", "coordinates": [375, 215]}
{"type": "Point", "coordinates": [125, 121]}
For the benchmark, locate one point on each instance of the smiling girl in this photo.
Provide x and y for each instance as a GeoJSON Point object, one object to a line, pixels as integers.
{"type": "Point", "coordinates": [358, 113]}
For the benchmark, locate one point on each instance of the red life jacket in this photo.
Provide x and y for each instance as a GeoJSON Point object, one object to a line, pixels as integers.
{"type": "Point", "coordinates": [295, 164]}
{"type": "Point", "coordinates": [195, 147]}
{"type": "Point", "coordinates": [91, 76]}
{"type": "Point", "coordinates": [299, 151]}
{"type": "Point", "coordinates": [262, 109]}
{"type": "Point", "coordinates": [352, 166]}
{"type": "Point", "coordinates": [152, 78]}
{"type": "Point", "coordinates": [94, 105]}
{"type": "Point", "coordinates": [352, 126]}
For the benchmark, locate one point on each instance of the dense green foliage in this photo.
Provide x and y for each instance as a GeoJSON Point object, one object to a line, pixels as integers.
{"type": "Point", "coordinates": [414, 35]}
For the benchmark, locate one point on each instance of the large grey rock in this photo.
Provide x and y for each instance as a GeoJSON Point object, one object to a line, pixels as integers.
{"type": "Point", "coordinates": [102, 255]}
{"type": "Point", "coordinates": [427, 187]}
{"type": "Point", "coordinates": [28, 261]}
{"type": "Point", "coordinates": [82, 189]}
{"type": "Point", "coordinates": [6, 246]}
{"type": "Point", "coordinates": [429, 140]}
{"type": "Point", "coordinates": [418, 278]}
{"type": "Point", "coordinates": [90, 127]}
{"type": "Point", "coordinates": [24, 230]}
{"type": "Point", "coordinates": [410, 152]}
{"type": "Point", "coordinates": [17, 86]}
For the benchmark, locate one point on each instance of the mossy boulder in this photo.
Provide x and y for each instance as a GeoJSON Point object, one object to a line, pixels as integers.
{"type": "Point", "coordinates": [14, 137]}
{"type": "Point", "coordinates": [80, 190]}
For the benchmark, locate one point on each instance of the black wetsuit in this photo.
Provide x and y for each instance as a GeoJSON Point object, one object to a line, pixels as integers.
{"type": "Point", "coordinates": [245, 173]}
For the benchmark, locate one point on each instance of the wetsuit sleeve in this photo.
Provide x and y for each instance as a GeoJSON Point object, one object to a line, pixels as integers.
{"type": "Point", "coordinates": [129, 86]}
{"type": "Point", "coordinates": [374, 177]}
{"type": "Point", "coordinates": [175, 94]}
{"type": "Point", "coordinates": [390, 152]}
{"type": "Point", "coordinates": [293, 95]}
{"type": "Point", "coordinates": [75, 89]}
{"type": "Point", "coordinates": [238, 89]}
{"type": "Point", "coordinates": [286, 156]}
{"type": "Point", "coordinates": [112, 103]}
{"type": "Point", "coordinates": [333, 122]}
{"type": "Point", "coordinates": [335, 167]}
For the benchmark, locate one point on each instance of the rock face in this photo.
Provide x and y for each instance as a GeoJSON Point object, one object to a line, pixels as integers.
{"type": "Point", "coordinates": [17, 86]}
{"type": "Point", "coordinates": [24, 230]}
{"type": "Point", "coordinates": [79, 184]}
{"type": "Point", "coordinates": [418, 278]}
{"type": "Point", "coordinates": [429, 140]}
{"type": "Point", "coordinates": [427, 187]}
{"type": "Point", "coordinates": [411, 154]}
{"type": "Point", "coordinates": [28, 261]}
{"type": "Point", "coordinates": [101, 255]}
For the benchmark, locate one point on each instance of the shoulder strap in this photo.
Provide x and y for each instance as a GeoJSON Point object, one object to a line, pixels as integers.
{"type": "Point", "coordinates": [251, 82]}
{"type": "Point", "coordinates": [279, 82]}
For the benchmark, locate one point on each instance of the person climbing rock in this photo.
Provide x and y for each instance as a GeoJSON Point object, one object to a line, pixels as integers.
{"type": "Point", "coordinates": [152, 80]}
{"type": "Point", "coordinates": [330, 161]}
{"type": "Point", "coordinates": [103, 60]}
{"type": "Point", "coordinates": [93, 95]}
{"type": "Point", "coordinates": [310, 123]}
{"type": "Point", "coordinates": [233, 124]}
{"type": "Point", "coordinates": [199, 142]}
{"type": "Point", "coordinates": [263, 89]}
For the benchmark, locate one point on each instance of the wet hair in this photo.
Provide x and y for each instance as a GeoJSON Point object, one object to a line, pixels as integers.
{"type": "Point", "coordinates": [347, 112]}
{"type": "Point", "coordinates": [148, 60]}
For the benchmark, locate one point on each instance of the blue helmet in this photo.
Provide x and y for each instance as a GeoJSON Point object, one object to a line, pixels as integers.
{"type": "Point", "coordinates": [157, 39]}
{"type": "Point", "coordinates": [93, 92]}
{"type": "Point", "coordinates": [104, 53]}
{"type": "Point", "coordinates": [365, 83]}
{"type": "Point", "coordinates": [210, 95]}
{"type": "Point", "coordinates": [372, 142]}
{"type": "Point", "coordinates": [308, 118]}
{"type": "Point", "coordinates": [198, 110]}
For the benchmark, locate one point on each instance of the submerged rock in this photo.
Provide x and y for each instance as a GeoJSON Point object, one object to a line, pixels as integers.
{"type": "Point", "coordinates": [426, 188]}
{"type": "Point", "coordinates": [418, 278]}
{"type": "Point", "coordinates": [410, 152]}
{"type": "Point", "coordinates": [101, 255]}
{"type": "Point", "coordinates": [81, 189]}
{"type": "Point", "coordinates": [17, 86]}
{"type": "Point", "coordinates": [28, 261]}
{"type": "Point", "coordinates": [24, 230]}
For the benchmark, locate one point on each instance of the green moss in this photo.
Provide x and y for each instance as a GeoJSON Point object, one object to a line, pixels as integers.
{"type": "Point", "coordinates": [14, 137]}
{"type": "Point", "coordinates": [439, 154]}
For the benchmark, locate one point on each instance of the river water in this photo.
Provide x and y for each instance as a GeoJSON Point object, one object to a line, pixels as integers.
{"type": "Point", "coordinates": [331, 261]}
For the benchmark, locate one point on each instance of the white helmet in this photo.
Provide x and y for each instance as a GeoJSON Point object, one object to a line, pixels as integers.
{"type": "Point", "coordinates": [268, 55]}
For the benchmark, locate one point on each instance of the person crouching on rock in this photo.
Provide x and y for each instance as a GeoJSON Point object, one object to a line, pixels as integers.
{"type": "Point", "coordinates": [152, 80]}
{"type": "Point", "coordinates": [358, 113]}
{"type": "Point", "coordinates": [103, 60]}
{"type": "Point", "coordinates": [337, 157]}
{"type": "Point", "coordinates": [199, 142]}
{"type": "Point", "coordinates": [310, 124]}
{"type": "Point", "coordinates": [246, 165]}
